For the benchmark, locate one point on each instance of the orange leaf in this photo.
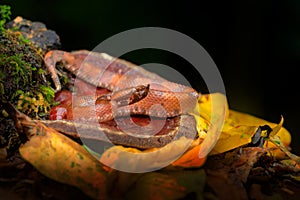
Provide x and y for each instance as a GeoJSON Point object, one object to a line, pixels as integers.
{"type": "Point", "coordinates": [190, 159]}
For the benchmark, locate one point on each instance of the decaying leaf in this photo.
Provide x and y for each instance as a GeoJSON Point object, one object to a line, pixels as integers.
{"type": "Point", "coordinates": [238, 118]}
{"type": "Point", "coordinates": [239, 128]}
{"type": "Point", "coordinates": [63, 160]}
{"type": "Point", "coordinates": [59, 158]}
{"type": "Point", "coordinates": [231, 170]}
{"type": "Point", "coordinates": [134, 160]}
{"type": "Point", "coordinates": [190, 159]}
{"type": "Point", "coordinates": [233, 138]}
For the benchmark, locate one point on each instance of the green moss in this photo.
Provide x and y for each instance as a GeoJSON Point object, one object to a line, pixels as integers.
{"type": "Point", "coordinates": [47, 92]}
{"type": "Point", "coordinates": [24, 81]}
{"type": "Point", "coordinates": [20, 70]}
{"type": "Point", "coordinates": [23, 78]}
{"type": "Point", "coordinates": [24, 40]}
{"type": "Point", "coordinates": [4, 16]}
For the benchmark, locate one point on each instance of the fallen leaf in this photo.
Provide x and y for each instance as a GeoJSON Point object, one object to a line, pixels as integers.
{"type": "Point", "coordinates": [233, 138]}
{"type": "Point", "coordinates": [190, 159]}
{"type": "Point", "coordinates": [239, 128]}
{"type": "Point", "coordinates": [59, 158]}
{"type": "Point", "coordinates": [236, 117]}
{"type": "Point", "coordinates": [228, 172]}
{"type": "Point", "coordinates": [133, 160]}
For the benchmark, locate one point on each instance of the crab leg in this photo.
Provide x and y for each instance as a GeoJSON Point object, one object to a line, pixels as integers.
{"type": "Point", "coordinates": [53, 57]}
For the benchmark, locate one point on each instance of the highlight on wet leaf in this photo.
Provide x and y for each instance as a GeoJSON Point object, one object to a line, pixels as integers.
{"type": "Point", "coordinates": [241, 129]}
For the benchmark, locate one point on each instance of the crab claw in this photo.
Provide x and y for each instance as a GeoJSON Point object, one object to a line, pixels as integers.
{"type": "Point", "coordinates": [53, 57]}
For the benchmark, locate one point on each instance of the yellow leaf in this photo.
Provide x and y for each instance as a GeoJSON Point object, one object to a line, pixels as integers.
{"type": "Point", "coordinates": [239, 128]}
{"type": "Point", "coordinates": [233, 138]}
{"type": "Point", "coordinates": [214, 109]}
{"type": "Point", "coordinates": [190, 159]}
{"type": "Point", "coordinates": [236, 117]}
{"type": "Point", "coordinates": [59, 158]}
{"type": "Point", "coordinates": [132, 160]}
{"type": "Point", "coordinates": [212, 104]}
{"type": "Point", "coordinates": [63, 160]}
{"type": "Point", "coordinates": [277, 128]}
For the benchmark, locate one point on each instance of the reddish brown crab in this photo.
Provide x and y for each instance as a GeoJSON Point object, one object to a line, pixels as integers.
{"type": "Point", "coordinates": [134, 90]}
{"type": "Point", "coordinates": [123, 89]}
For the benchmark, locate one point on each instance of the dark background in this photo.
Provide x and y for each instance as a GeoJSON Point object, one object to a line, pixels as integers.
{"type": "Point", "coordinates": [254, 43]}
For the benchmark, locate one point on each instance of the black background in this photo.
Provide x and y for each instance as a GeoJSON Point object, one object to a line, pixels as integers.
{"type": "Point", "coordinates": [254, 43]}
